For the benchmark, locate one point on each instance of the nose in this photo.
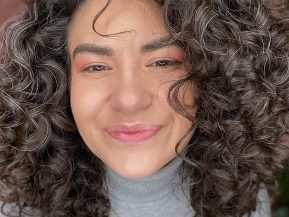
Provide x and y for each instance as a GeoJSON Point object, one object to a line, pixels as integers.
{"type": "Point", "coordinates": [131, 95]}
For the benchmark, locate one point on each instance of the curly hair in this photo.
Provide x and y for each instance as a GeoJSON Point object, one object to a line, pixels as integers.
{"type": "Point", "coordinates": [238, 56]}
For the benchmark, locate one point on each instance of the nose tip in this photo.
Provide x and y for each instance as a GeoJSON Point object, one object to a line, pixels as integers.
{"type": "Point", "coordinates": [131, 97]}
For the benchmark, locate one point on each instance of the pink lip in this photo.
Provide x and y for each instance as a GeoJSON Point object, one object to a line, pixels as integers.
{"type": "Point", "coordinates": [133, 134]}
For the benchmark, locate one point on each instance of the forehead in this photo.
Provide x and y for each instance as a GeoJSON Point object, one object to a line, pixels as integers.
{"type": "Point", "coordinates": [142, 20]}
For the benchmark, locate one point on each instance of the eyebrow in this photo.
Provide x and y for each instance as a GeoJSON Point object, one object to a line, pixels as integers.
{"type": "Point", "coordinates": [92, 48]}
{"type": "Point", "coordinates": [108, 51]}
{"type": "Point", "coordinates": [158, 44]}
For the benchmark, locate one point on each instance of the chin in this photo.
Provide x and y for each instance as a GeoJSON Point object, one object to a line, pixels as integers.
{"type": "Point", "coordinates": [136, 172]}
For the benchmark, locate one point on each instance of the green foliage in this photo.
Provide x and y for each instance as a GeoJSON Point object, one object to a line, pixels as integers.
{"type": "Point", "coordinates": [281, 205]}
{"type": "Point", "coordinates": [283, 180]}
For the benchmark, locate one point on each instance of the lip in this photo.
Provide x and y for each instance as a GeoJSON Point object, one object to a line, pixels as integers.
{"type": "Point", "coordinates": [133, 134]}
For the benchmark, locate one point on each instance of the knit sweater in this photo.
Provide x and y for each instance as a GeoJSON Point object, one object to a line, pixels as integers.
{"type": "Point", "coordinates": [158, 195]}
{"type": "Point", "coordinates": [163, 194]}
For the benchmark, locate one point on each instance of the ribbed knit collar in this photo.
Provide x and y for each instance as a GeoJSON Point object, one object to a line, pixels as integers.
{"type": "Point", "coordinates": [145, 189]}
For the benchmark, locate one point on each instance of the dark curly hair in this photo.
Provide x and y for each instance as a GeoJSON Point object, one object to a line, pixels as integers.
{"type": "Point", "coordinates": [238, 55]}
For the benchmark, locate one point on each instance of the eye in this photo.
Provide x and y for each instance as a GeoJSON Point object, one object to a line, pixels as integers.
{"type": "Point", "coordinates": [165, 63]}
{"type": "Point", "coordinates": [96, 68]}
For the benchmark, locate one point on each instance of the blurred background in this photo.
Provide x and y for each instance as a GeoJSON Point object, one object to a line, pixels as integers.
{"type": "Point", "coordinates": [10, 8]}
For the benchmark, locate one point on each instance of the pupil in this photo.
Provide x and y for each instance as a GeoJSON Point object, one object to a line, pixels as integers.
{"type": "Point", "coordinates": [162, 63]}
{"type": "Point", "coordinates": [98, 68]}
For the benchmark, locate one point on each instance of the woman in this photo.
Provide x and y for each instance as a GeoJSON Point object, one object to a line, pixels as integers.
{"type": "Point", "coordinates": [142, 108]}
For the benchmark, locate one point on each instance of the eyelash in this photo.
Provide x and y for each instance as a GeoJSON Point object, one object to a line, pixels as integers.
{"type": "Point", "coordinates": [162, 63]}
{"type": "Point", "coordinates": [96, 68]}
{"type": "Point", "coordinates": [165, 63]}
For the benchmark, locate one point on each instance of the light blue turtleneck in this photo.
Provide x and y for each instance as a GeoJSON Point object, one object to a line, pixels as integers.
{"type": "Point", "coordinates": [161, 194]}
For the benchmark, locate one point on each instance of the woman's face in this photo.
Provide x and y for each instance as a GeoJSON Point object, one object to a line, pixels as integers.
{"type": "Point", "coordinates": [119, 85]}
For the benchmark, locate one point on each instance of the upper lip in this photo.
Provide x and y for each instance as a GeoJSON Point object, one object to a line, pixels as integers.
{"type": "Point", "coordinates": [133, 127]}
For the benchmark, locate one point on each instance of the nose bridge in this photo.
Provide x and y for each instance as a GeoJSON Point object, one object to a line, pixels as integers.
{"type": "Point", "coordinates": [131, 93]}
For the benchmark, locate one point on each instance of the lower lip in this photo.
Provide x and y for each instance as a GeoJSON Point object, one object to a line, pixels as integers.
{"type": "Point", "coordinates": [135, 137]}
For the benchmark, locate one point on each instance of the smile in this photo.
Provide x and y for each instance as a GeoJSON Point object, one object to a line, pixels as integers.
{"type": "Point", "coordinates": [133, 135]}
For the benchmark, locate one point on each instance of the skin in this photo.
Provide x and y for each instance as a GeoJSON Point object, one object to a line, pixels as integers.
{"type": "Point", "coordinates": [127, 86]}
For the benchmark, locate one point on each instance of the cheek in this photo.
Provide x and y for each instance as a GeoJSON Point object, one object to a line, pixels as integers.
{"type": "Point", "coordinates": [85, 100]}
{"type": "Point", "coordinates": [187, 97]}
